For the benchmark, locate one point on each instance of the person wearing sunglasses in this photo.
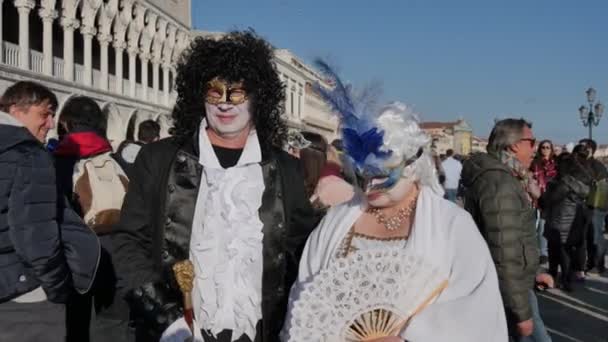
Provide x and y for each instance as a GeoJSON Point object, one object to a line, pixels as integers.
{"type": "Point", "coordinates": [544, 169]}
{"type": "Point", "coordinates": [222, 194]}
{"type": "Point", "coordinates": [500, 196]}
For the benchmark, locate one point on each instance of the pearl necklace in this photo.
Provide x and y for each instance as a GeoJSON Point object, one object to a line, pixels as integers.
{"type": "Point", "coordinates": [394, 222]}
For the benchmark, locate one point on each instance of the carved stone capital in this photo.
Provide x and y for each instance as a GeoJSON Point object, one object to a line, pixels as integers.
{"type": "Point", "coordinates": [88, 31]}
{"type": "Point", "coordinates": [23, 5]}
{"type": "Point", "coordinates": [145, 57]}
{"type": "Point", "coordinates": [119, 44]}
{"type": "Point", "coordinates": [133, 50]}
{"type": "Point", "coordinates": [104, 38]}
{"type": "Point", "coordinates": [69, 23]}
{"type": "Point", "coordinates": [47, 14]}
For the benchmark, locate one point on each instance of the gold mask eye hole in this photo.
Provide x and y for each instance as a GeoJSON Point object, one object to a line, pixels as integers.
{"type": "Point", "coordinates": [238, 96]}
{"type": "Point", "coordinates": [214, 96]}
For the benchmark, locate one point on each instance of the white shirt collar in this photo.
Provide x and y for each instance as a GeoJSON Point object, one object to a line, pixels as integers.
{"type": "Point", "coordinates": [252, 152]}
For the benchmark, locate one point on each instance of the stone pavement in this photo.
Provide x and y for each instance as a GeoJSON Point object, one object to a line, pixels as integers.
{"type": "Point", "coordinates": [578, 316]}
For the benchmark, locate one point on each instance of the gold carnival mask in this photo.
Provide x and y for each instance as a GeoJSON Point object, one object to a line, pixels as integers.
{"type": "Point", "coordinates": [219, 91]}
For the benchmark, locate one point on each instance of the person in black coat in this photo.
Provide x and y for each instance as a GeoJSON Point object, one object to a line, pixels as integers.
{"type": "Point", "coordinates": [220, 193]}
{"type": "Point", "coordinates": [566, 214]}
{"type": "Point", "coordinates": [46, 251]}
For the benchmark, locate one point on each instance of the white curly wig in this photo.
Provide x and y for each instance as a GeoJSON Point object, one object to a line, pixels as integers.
{"type": "Point", "coordinates": [404, 137]}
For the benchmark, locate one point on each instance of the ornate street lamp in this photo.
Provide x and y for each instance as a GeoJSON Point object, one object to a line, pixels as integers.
{"type": "Point", "coordinates": [591, 116]}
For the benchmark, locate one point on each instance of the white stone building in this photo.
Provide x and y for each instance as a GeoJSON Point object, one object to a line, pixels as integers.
{"type": "Point", "coordinates": [121, 53]}
{"type": "Point", "coordinates": [304, 109]}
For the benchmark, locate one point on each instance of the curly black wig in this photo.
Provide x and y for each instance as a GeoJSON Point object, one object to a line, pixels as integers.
{"type": "Point", "coordinates": [238, 56]}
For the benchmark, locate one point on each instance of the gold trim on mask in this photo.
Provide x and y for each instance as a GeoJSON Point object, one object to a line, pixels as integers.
{"type": "Point", "coordinates": [219, 91]}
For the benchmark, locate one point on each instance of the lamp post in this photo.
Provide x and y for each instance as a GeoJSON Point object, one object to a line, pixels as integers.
{"type": "Point", "coordinates": [591, 116]}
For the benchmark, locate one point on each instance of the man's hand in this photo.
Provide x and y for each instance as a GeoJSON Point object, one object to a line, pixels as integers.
{"type": "Point", "coordinates": [545, 279]}
{"type": "Point", "coordinates": [525, 328]}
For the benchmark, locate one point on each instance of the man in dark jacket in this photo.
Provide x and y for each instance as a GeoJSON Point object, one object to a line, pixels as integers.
{"type": "Point", "coordinates": [126, 153]}
{"type": "Point", "coordinates": [46, 251]}
{"type": "Point", "coordinates": [499, 196]}
{"type": "Point", "coordinates": [596, 244]}
{"type": "Point", "coordinates": [220, 193]}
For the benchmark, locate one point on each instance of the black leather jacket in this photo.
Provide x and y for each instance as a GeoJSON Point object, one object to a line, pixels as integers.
{"type": "Point", "coordinates": [155, 228]}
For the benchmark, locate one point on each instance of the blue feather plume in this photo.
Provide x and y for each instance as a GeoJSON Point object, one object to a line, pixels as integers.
{"type": "Point", "coordinates": [362, 140]}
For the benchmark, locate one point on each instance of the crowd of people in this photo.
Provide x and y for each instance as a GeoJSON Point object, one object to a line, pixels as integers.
{"type": "Point", "coordinates": [221, 231]}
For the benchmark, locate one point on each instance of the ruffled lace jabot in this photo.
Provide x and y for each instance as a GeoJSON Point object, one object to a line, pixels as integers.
{"type": "Point", "coordinates": [226, 245]}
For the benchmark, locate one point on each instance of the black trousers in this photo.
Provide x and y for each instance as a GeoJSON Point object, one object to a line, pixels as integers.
{"type": "Point", "coordinates": [568, 257]}
{"type": "Point", "coordinates": [32, 322]}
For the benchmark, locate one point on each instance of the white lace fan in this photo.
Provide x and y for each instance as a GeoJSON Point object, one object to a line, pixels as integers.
{"type": "Point", "coordinates": [368, 295]}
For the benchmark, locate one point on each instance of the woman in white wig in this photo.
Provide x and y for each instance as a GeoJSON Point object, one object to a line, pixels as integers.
{"type": "Point", "coordinates": [397, 262]}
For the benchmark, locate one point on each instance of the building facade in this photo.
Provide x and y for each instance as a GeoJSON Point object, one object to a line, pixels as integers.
{"type": "Point", "coordinates": [457, 136]}
{"type": "Point", "coordinates": [304, 109]}
{"type": "Point", "coordinates": [122, 53]}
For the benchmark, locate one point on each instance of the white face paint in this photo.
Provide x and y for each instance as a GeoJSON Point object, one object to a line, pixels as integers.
{"type": "Point", "coordinates": [228, 120]}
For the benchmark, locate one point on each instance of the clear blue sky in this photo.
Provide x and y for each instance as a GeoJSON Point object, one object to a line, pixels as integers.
{"type": "Point", "coordinates": [479, 59]}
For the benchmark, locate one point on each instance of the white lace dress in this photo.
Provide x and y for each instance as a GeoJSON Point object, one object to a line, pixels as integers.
{"type": "Point", "coordinates": [357, 242]}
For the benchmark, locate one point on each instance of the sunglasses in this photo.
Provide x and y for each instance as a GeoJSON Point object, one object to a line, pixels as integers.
{"type": "Point", "coordinates": [219, 91]}
{"type": "Point", "coordinates": [532, 141]}
{"type": "Point", "coordinates": [545, 147]}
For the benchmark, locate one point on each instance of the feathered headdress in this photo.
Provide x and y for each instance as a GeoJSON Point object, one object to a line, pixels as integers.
{"type": "Point", "coordinates": [373, 138]}
{"type": "Point", "coordinates": [363, 141]}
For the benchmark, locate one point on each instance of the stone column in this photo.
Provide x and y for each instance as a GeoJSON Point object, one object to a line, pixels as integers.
{"type": "Point", "coordinates": [166, 69]}
{"type": "Point", "coordinates": [24, 7]}
{"type": "Point", "coordinates": [48, 16]}
{"type": "Point", "coordinates": [69, 25]}
{"type": "Point", "coordinates": [119, 48]}
{"type": "Point", "coordinates": [173, 73]}
{"type": "Point", "coordinates": [87, 34]}
{"type": "Point", "coordinates": [104, 41]}
{"type": "Point", "coordinates": [155, 80]}
{"type": "Point", "coordinates": [144, 58]}
{"type": "Point", "coordinates": [132, 71]}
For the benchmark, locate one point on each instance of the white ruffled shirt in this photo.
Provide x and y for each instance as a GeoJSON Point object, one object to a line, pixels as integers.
{"type": "Point", "coordinates": [226, 243]}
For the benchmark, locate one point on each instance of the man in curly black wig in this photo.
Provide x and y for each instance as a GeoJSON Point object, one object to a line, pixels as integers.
{"type": "Point", "coordinates": [220, 193]}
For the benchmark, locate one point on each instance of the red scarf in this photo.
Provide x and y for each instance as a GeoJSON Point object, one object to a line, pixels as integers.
{"type": "Point", "coordinates": [82, 145]}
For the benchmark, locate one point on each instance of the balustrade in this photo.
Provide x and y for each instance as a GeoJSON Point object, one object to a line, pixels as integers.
{"type": "Point", "coordinates": [11, 54]}
{"type": "Point", "coordinates": [36, 61]}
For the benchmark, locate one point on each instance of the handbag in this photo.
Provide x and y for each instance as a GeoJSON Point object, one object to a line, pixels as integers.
{"type": "Point", "coordinates": [598, 196]}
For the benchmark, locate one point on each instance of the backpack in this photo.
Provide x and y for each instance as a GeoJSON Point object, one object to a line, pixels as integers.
{"type": "Point", "coordinates": [100, 186]}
